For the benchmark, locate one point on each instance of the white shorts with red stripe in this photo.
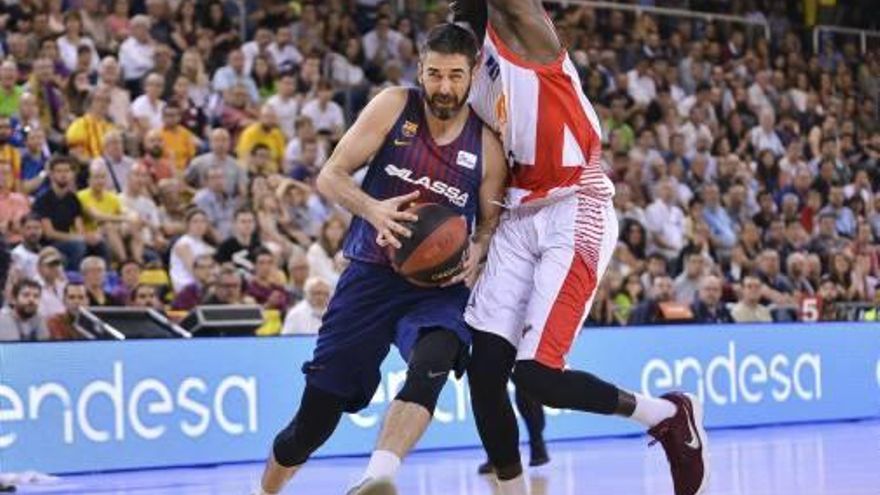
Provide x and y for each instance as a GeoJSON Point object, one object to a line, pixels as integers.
{"type": "Point", "coordinates": [544, 265]}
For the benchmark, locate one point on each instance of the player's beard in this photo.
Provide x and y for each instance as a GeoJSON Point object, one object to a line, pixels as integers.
{"type": "Point", "coordinates": [444, 107]}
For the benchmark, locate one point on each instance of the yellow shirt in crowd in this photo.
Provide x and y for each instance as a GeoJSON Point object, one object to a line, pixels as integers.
{"type": "Point", "coordinates": [253, 135]}
{"type": "Point", "coordinates": [10, 154]}
{"type": "Point", "coordinates": [180, 145]}
{"type": "Point", "coordinates": [86, 134]}
{"type": "Point", "coordinates": [109, 204]}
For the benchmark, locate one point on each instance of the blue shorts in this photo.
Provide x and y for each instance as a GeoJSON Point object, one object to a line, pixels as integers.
{"type": "Point", "coordinates": [372, 308]}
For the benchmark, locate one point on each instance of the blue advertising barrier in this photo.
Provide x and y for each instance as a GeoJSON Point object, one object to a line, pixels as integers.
{"type": "Point", "coordinates": [86, 406]}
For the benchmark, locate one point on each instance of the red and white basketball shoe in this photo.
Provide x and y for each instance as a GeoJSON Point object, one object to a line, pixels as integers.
{"type": "Point", "coordinates": [684, 440]}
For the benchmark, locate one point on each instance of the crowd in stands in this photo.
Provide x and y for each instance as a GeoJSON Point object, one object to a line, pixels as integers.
{"type": "Point", "coordinates": [162, 153]}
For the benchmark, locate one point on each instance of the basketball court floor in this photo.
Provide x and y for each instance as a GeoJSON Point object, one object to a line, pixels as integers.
{"type": "Point", "coordinates": [824, 459]}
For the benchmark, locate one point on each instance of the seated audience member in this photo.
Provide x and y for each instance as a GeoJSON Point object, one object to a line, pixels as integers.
{"type": "Point", "coordinates": [217, 205]}
{"type": "Point", "coordinates": [204, 273]}
{"type": "Point", "coordinates": [62, 215]}
{"type": "Point", "coordinates": [61, 324]}
{"type": "Point", "coordinates": [218, 157]}
{"type": "Point", "coordinates": [51, 279]}
{"type": "Point", "coordinates": [323, 252]}
{"type": "Point", "coordinates": [305, 317]}
{"type": "Point", "coordinates": [187, 248]}
{"type": "Point", "coordinates": [263, 286]}
{"type": "Point", "coordinates": [103, 214]}
{"type": "Point", "coordinates": [229, 288]}
{"type": "Point", "coordinates": [749, 308]}
{"type": "Point", "coordinates": [708, 307]}
{"type": "Point", "coordinates": [297, 274]}
{"type": "Point", "coordinates": [94, 273]}
{"type": "Point", "coordinates": [687, 283]}
{"type": "Point", "coordinates": [19, 321]}
{"type": "Point", "coordinates": [649, 311]}
{"type": "Point", "coordinates": [240, 248]}
{"type": "Point", "coordinates": [26, 254]}
{"type": "Point", "coordinates": [144, 296]}
{"type": "Point", "coordinates": [129, 278]}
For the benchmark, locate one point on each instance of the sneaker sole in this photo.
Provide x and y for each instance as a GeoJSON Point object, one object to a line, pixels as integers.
{"type": "Point", "coordinates": [378, 487]}
{"type": "Point", "coordinates": [697, 409]}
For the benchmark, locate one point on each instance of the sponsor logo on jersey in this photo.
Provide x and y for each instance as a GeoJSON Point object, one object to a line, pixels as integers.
{"type": "Point", "coordinates": [409, 129]}
{"type": "Point", "coordinates": [466, 160]}
{"type": "Point", "coordinates": [453, 194]}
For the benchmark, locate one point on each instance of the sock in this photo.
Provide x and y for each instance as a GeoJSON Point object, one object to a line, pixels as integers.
{"type": "Point", "coordinates": [650, 411]}
{"type": "Point", "coordinates": [383, 464]}
{"type": "Point", "coordinates": [516, 486]}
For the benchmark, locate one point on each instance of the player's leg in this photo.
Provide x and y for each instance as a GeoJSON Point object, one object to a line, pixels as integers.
{"type": "Point", "coordinates": [496, 312]}
{"type": "Point", "coordinates": [433, 339]}
{"type": "Point", "coordinates": [532, 413]}
{"type": "Point", "coordinates": [437, 352]}
{"type": "Point", "coordinates": [344, 373]}
{"type": "Point", "coordinates": [566, 279]}
{"type": "Point", "coordinates": [317, 418]}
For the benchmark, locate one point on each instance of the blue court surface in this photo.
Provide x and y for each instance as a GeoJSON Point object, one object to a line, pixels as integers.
{"type": "Point", "coordinates": [821, 459]}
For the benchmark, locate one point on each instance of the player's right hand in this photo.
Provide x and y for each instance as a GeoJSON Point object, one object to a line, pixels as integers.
{"type": "Point", "coordinates": [386, 216]}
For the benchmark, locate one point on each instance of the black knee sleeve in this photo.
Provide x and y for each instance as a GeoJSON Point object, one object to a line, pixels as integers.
{"type": "Point", "coordinates": [565, 389]}
{"type": "Point", "coordinates": [492, 358]}
{"type": "Point", "coordinates": [433, 357]}
{"type": "Point", "coordinates": [318, 415]}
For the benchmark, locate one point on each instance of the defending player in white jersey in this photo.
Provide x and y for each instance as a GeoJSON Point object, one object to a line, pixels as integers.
{"type": "Point", "coordinates": [551, 249]}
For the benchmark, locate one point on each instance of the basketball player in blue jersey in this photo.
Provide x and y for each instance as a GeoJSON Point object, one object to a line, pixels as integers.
{"type": "Point", "coordinates": [421, 144]}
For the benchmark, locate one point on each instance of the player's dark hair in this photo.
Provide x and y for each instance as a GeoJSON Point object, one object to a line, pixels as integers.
{"type": "Point", "coordinates": [451, 39]}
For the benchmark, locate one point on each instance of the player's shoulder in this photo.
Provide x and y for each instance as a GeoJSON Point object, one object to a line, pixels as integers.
{"type": "Point", "coordinates": [393, 95]}
{"type": "Point", "coordinates": [388, 104]}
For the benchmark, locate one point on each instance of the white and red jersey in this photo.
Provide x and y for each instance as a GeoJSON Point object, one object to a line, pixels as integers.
{"type": "Point", "coordinates": [551, 133]}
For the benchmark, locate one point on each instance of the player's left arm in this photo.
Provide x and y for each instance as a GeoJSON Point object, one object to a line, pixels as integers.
{"type": "Point", "coordinates": [492, 190]}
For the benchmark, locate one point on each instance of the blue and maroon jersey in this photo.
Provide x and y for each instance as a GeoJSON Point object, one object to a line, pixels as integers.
{"type": "Point", "coordinates": [410, 160]}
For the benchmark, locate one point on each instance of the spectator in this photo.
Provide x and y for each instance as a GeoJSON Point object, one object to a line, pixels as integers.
{"type": "Point", "coordinates": [242, 246]}
{"type": "Point", "coordinates": [323, 254]}
{"type": "Point", "coordinates": [264, 132]}
{"type": "Point", "coordinates": [120, 99]}
{"type": "Point", "coordinates": [19, 320]}
{"type": "Point", "coordinates": [204, 272]}
{"type": "Point", "coordinates": [72, 40]}
{"type": "Point", "coordinates": [325, 113]}
{"type": "Point", "coordinates": [216, 204]}
{"type": "Point", "coordinates": [117, 164]}
{"type": "Point", "coordinates": [51, 278]}
{"type": "Point", "coordinates": [845, 220]}
{"type": "Point", "coordinates": [284, 52]}
{"type": "Point", "coordinates": [765, 137]}
{"type": "Point", "coordinates": [630, 295]}
{"type": "Point", "coordinates": [103, 215]}
{"type": "Point", "coordinates": [687, 283]}
{"type": "Point", "coordinates": [94, 273]}
{"type": "Point", "coordinates": [85, 136]}
{"type": "Point", "coordinates": [129, 278]}
{"type": "Point", "coordinates": [34, 178]}
{"type": "Point", "coordinates": [749, 308]}
{"type": "Point", "coordinates": [10, 92]}
{"type": "Point", "coordinates": [305, 317]}
{"type": "Point", "coordinates": [721, 227]}
{"type": "Point", "coordinates": [136, 52]}
{"type": "Point", "coordinates": [9, 153]}
{"type": "Point", "coordinates": [229, 288]}
{"type": "Point", "coordinates": [145, 220]}
{"type": "Point", "coordinates": [25, 256]}
{"type": "Point", "coordinates": [382, 43]}
{"type": "Point", "coordinates": [286, 105]}
{"type": "Point", "coordinates": [146, 109]}
{"type": "Point", "coordinates": [234, 73]}
{"type": "Point", "coordinates": [826, 239]}
{"type": "Point", "coordinates": [144, 296]}
{"type": "Point", "coordinates": [187, 248]}
{"type": "Point", "coordinates": [218, 157]}
{"type": "Point", "coordinates": [708, 307]}
{"type": "Point", "coordinates": [297, 274]}
{"type": "Point", "coordinates": [263, 286]}
{"type": "Point", "coordinates": [61, 214]}
{"type": "Point", "coordinates": [258, 46]}
{"type": "Point", "coordinates": [796, 271]}
{"type": "Point", "coordinates": [156, 157]}
{"type": "Point", "coordinates": [13, 206]}
{"type": "Point", "coordinates": [61, 325]}
{"type": "Point", "coordinates": [665, 221]}
{"type": "Point", "coordinates": [769, 272]}
{"type": "Point", "coordinates": [649, 311]}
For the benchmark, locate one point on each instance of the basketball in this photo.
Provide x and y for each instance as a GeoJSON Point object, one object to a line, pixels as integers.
{"type": "Point", "coordinates": [433, 254]}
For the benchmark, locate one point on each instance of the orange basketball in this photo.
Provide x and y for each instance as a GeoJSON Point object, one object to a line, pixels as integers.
{"type": "Point", "coordinates": [434, 252]}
